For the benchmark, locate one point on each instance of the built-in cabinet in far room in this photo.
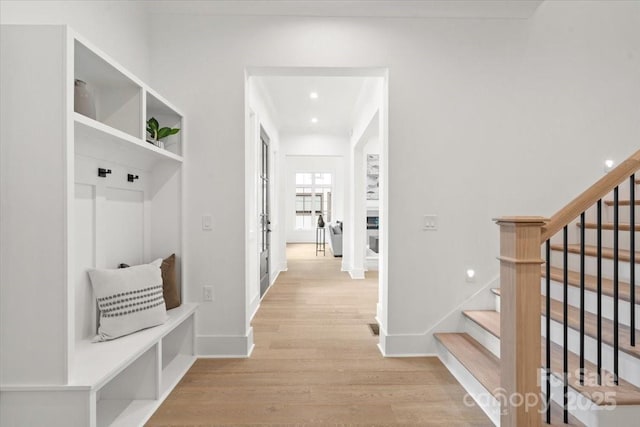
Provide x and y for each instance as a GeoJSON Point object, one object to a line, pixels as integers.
{"type": "Point", "coordinates": [79, 193]}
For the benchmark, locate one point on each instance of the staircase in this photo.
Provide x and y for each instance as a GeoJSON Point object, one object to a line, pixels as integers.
{"type": "Point", "coordinates": [588, 371]}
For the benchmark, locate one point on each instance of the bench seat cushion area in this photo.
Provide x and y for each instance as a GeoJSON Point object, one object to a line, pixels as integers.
{"type": "Point", "coordinates": [129, 299]}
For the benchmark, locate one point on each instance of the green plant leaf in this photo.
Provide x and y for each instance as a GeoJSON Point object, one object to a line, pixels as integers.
{"type": "Point", "coordinates": [153, 123]}
{"type": "Point", "coordinates": [163, 133]}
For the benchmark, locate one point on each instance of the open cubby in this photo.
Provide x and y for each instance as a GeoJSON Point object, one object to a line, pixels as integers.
{"type": "Point", "coordinates": [177, 354]}
{"type": "Point", "coordinates": [135, 386]}
{"type": "Point", "coordinates": [167, 116]}
{"type": "Point", "coordinates": [117, 97]}
{"type": "Point", "coordinates": [93, 222]}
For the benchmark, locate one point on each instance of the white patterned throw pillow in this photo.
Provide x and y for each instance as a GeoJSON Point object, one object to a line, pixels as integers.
{"type": "Point", "coordinates": [129, 299]}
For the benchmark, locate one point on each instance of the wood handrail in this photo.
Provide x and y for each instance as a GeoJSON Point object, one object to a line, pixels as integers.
{"type": "Point", "coordinates": [591, 196]}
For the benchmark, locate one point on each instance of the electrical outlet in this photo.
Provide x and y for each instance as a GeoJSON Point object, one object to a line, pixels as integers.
{"type": "Point", "coordinates": [207, 293]}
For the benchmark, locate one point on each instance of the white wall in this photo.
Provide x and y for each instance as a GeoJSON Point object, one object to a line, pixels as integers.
{"type": "Point", "coordinates": [486, 118]}
{"type": "Point", "coordinates": [119, 28]}
{"type": "Point", "coordinates": [261, 114]}
{"type": "Point", "coordinates": [477, 107]}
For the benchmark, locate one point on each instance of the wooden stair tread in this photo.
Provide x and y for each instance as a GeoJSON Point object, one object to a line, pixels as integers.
{"type": "Point", "coordinates": [590, 326]}
{"type": "Point", "coordinates": [485, 367]}
{"type": "Point", "coordinates": [591, 283]}
{"type": "Point", "coordinates": [622, 226]}
{"type": "Point", "coordinates": [621, 202]}
{"type": "Point", "coordinates": [487, 319]}
{"type": "Point", "coordinates": [626, 393]}
{"type": "Point", "coordinates": [591, 250]}
{"type": "Point", "coordinates": [480, 362]}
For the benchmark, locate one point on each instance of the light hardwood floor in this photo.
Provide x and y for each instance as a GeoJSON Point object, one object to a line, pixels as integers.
{"type": "Point", "coordinates": [316, 363]}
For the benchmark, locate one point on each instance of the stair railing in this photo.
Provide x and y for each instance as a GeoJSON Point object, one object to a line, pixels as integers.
{"type": "Point", "coordinates": [520, 277]}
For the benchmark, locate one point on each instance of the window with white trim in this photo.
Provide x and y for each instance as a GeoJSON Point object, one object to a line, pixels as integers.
{"type": "Point", "coordinates": [313, 197]}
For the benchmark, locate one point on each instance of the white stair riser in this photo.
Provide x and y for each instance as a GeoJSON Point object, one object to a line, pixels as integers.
{"type": "Point", "coordinates": [623, 214]}
{"type": "Point", "coordinates": [484, 337]}
{"type": "Point", "coordinates": [629, 366]}
{"type": "Point", "coordinates": [580, 407]}
{"type": "Point", "coordinates": [624, 272]}
{"type": "Point", "coordinates": [588, 412]}
{"type": "Point", "coordinates": [624, 237]}
{"type": "Point", "coordinates": [591, 301]}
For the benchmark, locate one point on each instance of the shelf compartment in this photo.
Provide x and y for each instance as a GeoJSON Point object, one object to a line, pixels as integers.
{"type": "Point", "coordinates": [99, 141]}
{"type": "Point", "coordinates": [117, 97]}
{"type": "Point", "coordinates": [177, 354]}
{"type": "Point", "coordinates": [167, 116]}
{"type": "Point", "coordinates": [173, 373]}
{"type": "Point", "coordinates": [127, 398]}
{"type": "Point", "coordinates": [124, 413]}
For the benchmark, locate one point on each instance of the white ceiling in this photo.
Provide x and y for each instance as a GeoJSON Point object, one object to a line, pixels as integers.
{"type": "Point", "coordinates": [518, 9]}
{"type": "Point", "coordinates": [288, 97]}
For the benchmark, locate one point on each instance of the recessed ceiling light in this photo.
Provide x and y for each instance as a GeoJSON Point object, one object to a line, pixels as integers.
{"type": "Point", "coordinates": [313, 95]}
{"type": "Point", "coordinates": [314, 120]}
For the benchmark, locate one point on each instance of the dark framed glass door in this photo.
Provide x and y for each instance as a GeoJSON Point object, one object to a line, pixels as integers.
{"type": "Point", "coordinates": [265, 222]}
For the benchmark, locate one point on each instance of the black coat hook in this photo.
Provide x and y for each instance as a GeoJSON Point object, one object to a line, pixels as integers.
{"type": "Point", "coordinates": [131, 177]}
{"type": "Point", "coordinates": [102, 173]}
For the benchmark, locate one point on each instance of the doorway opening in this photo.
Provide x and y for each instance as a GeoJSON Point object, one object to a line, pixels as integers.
{"type": "Point", "coordinates": [316, 165]}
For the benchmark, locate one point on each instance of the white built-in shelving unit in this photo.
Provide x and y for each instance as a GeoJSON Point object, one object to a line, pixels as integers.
{"type": "Point", "coordinates": [59, 219]}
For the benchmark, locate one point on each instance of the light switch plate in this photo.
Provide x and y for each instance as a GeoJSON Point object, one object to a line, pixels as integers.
{"type": "Point", "coordinates": [207, 293]}
{"type": "Point", "coordinates": [207, 222]}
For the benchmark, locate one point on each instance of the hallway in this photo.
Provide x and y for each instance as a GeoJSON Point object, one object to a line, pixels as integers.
{"type": "Point", "coordinates": [316, 362]}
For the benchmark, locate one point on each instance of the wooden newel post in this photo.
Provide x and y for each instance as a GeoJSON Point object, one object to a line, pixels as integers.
{"type": "Point", "coordinates": [520, 320]}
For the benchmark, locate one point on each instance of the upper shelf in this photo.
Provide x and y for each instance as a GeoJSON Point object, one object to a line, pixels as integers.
{"type": "Point", "coordinates": [115, 107]}
{"type": "Point", "coordinates": [100, 141]}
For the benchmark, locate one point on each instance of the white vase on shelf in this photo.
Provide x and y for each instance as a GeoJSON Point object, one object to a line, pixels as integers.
{"type": "Point", "coordinates": [83, 101]}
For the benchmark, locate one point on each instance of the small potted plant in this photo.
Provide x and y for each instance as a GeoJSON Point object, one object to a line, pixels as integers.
{"type": "Point", "coordinates": [156, 133]}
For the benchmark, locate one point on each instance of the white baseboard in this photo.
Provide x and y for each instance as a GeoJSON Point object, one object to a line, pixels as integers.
{"type": "Point", "coordinates": [225, 346]}
{"type": "Point", "coordinates": [404, 345]}
{"type": "Point", "coordinates": [275, 277]}
{"type": "Point", "coordinates": [424, 344]}
{"type": "Point", "coordinates": [254, 305]}
{"type": "Point", "coordinates": [357, 273]}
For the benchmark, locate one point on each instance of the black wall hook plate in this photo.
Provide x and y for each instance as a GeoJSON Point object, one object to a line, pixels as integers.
{"type": "Point", "coordinates": [102, 173]}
